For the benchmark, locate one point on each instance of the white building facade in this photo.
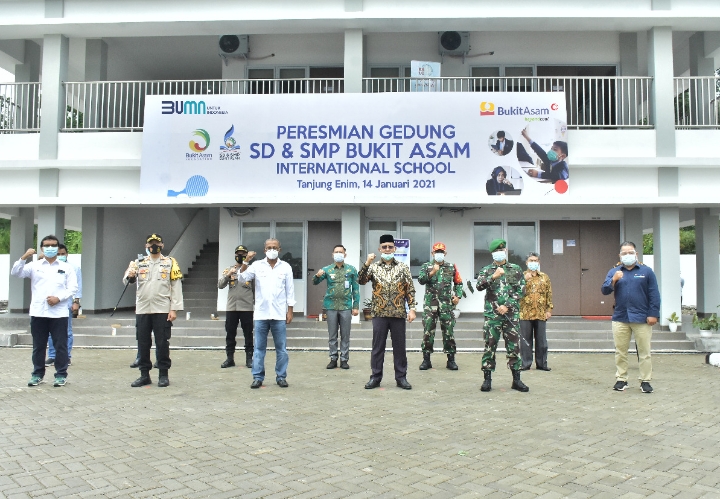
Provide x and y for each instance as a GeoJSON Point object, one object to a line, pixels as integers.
{"type": "Point", "coordinates": [642, 130]}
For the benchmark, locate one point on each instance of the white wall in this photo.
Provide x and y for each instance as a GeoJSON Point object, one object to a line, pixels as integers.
{"type": "Point", "coordinates": [687, 271]}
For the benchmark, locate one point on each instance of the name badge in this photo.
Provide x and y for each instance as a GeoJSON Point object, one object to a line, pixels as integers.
{"type": "Point", "coordinates": [347, 284]}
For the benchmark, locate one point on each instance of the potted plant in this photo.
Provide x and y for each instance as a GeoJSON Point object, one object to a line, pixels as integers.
{"type": "Point", "coordinates": [673, 322]}
{"type": "Point", "coordinates": [706, 325]}
{"type": "Point", "coordinates": [366, 309]}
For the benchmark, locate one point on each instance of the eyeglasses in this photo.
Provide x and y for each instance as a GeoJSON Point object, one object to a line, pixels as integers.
{"type": "Point", "coordinates": [387, 246]}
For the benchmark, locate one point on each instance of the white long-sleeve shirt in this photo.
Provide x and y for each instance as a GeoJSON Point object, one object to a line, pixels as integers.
{"type": "Point", "coordinates": [48, 279]}
{"type": "Point", "coordinates": [274, 289]}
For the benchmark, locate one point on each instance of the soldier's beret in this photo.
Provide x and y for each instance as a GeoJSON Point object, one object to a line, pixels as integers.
{"type": "Point", "coordinates": [496, 243]}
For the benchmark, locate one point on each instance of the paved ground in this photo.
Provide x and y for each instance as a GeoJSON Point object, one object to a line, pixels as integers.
{"type": "Point", "coordinates": [209, 435]}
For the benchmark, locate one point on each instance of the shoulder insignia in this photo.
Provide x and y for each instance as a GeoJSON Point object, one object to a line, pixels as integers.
{"type": "Point", "coordinates": [457, 279]}
{"type": "Point", "coordinates": [175, 272]}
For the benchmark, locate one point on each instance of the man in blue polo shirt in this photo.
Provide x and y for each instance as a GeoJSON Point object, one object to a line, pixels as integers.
{"type": "Point", "coordinates": [637, 308]}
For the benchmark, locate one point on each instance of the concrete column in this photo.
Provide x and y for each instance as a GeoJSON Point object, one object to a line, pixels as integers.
{"type": "Point", "coordinates": [51, 221]}
{"type": "Point", "coordinates": [702, 92]}
{"type": "Point", "coordinates": [633, 225]}
{"type": "Point", "coordinates": [668, 181]}
{"type": "Point", "coordinates": [707, 261]}
{"type": "Point", "coordinates": [29, 98]}
{"type": "Point", "coordinates": [96, 51]}
{"type": "Point", "coordinates": [666, 231]}
{"type": "Point", "coordinates": [21, 238]}
{"type": "Point", "coordinates": [660, 67]}
{"type": "Point", "coordinates": [93, 228]}
{"type": "Point", "coordinates": [54, 73]}
{"type": "Point", "coordinates": [354, 59]}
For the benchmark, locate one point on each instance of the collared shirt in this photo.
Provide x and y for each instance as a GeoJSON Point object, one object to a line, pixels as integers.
{"type": "Point", "coordinates": [241, 294]}
{"type": "Point", "coordinates": [506, 290]}
{"type": "Point", "coordinates": [441, 287]}
{"type": "Point", "coordinates": [157, 292]}
{"type": "Point", "coordinates": [343, 291]}
{"type": "Point", "coordinates": [392, 286]}
{"type": "Point", "coordinates": [274, 289]}
{"type": "Point", "coordinates": [537, 300]}
{"type": "Point", "coordinates": [48, 279]}
{"type": "Point", "coordinates": [637, 296]}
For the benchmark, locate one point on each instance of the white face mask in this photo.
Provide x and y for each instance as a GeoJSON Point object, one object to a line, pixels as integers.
{"type": "Point", "coordinates": [499, 256]}
{"type": "Point", "coordinates": [628, 260]}
{"type": "Point", "coordinates": [338, 257]}
{"type": "Point", "coordinates": [439, 257]}
{"type": "Point", "coordinates": [272, 254]}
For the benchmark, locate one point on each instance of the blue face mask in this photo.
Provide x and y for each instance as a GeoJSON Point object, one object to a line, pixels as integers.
{"type": "Point", "coordinates": [628, 260]}
{"type": "Point", "coordinates": [533, 266]}
{"type": "Point", "coordinates": [387, 256]}
{"type": "Point", "coordinates": [50, 251]}
{"type": "Point", "coordinates": [552, 156]}
{"type": "Point", "coordinates": [62, 258]}
{"type": "Point", "coordinates": [499, 256]}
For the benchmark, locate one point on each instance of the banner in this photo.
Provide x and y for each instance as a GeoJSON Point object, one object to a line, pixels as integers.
{"type": "Point", "coordinates": [355, 148]}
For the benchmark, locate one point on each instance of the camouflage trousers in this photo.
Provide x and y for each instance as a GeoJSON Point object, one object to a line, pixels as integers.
{"type": "Point", "coordinates": [447, 323]}
{"type": "Point", "coordinates": [494, 328]}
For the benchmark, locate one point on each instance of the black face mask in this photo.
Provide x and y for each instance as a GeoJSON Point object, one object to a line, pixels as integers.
{"type": "Point", "coordinates": [240, 258]}
{"type": "Point", "coordinates": [155, 249]}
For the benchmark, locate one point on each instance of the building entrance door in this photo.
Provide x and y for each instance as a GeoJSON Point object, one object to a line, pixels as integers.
{"type": "Point", "coordinates": [321, 238]}
{"type": "Point", "coordinates": [577, 255]}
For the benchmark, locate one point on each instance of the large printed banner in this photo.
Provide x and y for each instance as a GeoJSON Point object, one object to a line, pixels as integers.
{"type": "Point", "coordinates": [387, 147]}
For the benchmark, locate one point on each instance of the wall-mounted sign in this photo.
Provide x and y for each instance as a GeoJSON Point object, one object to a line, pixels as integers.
{"type": "Point", "coordinates": [557, 246]}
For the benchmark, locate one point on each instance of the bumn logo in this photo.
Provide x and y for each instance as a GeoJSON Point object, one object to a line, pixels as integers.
{"type": "Point", "coordinates": [183, 107]}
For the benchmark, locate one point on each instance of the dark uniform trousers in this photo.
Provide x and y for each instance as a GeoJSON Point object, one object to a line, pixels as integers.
{"type": "Point", "coordinates": [157, 324]}
{"type": "Point", "coordinates": [245, 319]}
{"type": "Point", "coordinates": [56, 328]}
{"type": "Point", "coordinates": [396, 326]}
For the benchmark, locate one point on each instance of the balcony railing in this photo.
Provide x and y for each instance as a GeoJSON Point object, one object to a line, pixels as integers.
{"type": "Point", "coordinates": [592, 102]}
{"type": "Point", "coordinates": [119, 105]}
{"type": "Point", "coordinates": [19, 107]}
{"type": "Point", "coordinates": [697, 102]}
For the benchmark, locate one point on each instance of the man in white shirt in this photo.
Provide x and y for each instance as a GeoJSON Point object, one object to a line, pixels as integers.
{"type": "Point", "coordinates": [274, 302]}
{"type": "Point", "coordinates": [74, 308]}
{"type": "Point", "coordinates": [53, 285]}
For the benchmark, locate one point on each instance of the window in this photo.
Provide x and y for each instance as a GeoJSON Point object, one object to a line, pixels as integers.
{"type": "Point", "coordinates": [293, 80]}
{"type": "Point", "coordinates": [290, 234]}
{"type": "Point", "coordinates": [521, 239]}
{"type": "Point", "coordinates": [503, 78]}
{"type": "Point", "coordinates": [265, 85]}
{"type": "Point", "coordinates": [419, 234]}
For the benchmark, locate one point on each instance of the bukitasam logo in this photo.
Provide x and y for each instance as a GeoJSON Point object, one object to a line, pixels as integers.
{"type": "Point", "coordinates": [183, 107]}
{"type": "Point", "coordinates": [487, 109]}
{"type": "Point", "coordinates": [230, 150]}
{"type": "Point", "coordinates": [197, 147]}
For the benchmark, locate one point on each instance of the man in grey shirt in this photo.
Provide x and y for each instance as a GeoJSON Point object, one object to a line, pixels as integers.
{"type": "Point", "coordinates": [240, 303]}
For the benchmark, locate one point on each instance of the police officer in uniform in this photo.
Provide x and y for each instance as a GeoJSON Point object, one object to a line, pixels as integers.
{"type": "Point", "coordinates": [240, 304]}
{"type": "Point", "coordinates": [158, 298]}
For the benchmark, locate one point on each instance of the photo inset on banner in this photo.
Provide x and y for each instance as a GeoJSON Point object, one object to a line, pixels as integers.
{"type": "Point", "coordinates": [542, 152]}
{"type": "Point", "coordinates": [501, 143]}
{"type": "Point", "coordinates": [504, 181]}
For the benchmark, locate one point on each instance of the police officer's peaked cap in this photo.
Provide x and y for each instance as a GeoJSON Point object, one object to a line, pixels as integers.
{"type": "Point", "coordinates": [154, 237]}
{"type": "Point", "coordinates": [241, 248]}
{"type": "Point", "coordinates": [496, 243]}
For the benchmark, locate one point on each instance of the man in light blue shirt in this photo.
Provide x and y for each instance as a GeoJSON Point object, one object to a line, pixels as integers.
{"type": "Point", "coordinates": [274, 302]}
{"type": "Point", "coordinates": [74, 307]}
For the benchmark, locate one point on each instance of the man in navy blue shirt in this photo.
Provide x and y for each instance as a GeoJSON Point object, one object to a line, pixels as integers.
{"type": "Point", "coordinates": [637, 308]}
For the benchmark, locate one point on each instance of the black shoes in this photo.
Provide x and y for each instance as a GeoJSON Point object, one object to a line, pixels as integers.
{"type": "Point", "coordinates": [332, 364]}
{"type": "Point", "coordinates": [143, 380]}
{"type": "Point", "coordinates": [426, 364]}
{"type": "Point", "coordinates": [545, 368]}
{"type": "Point", "coordinates": [373, 383]}
{"type": "Point", "coordinates": [229, 362]}
{"type": "Point", "coordinates": [525, 368]}
{"type": "Point", "coordinates": [257, 383]}
{"type": "Point", "coordinates": [403, 383]}
{"type": "Point", "coordinates": [344, 364]}
{"type": "Point", "coordinates": [517, 384]}
{"type": "Point", "coordinates": [163, 381]}
{"type": "Point", "coordinates": [487, 384]}
{"type": "Point", "coordinates": [645, 387]}
{"type": "Point", "coordinates": [282, 383]}
{"type": "Point", "coordinates": [620, 386]}
{"type": "Point", "coordinates": [136, 363]}
{"type": "Point", "coordinates": [451, 362]}
{"type": "Point", "coordinates": [248, 359]}
{"type": "Point", "coordinates": [49, 361]}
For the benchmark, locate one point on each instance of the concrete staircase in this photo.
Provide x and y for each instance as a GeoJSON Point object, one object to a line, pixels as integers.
{"type": "Point", "coordinates": [200, 284]}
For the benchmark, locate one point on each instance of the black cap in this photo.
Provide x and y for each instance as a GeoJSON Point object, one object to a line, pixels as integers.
{"type": "Point", "coordinates": [387, 238]}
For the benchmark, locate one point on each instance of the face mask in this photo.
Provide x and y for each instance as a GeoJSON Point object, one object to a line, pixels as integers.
{"type": "Point", "coordinates": [387, 256]}
{"type": "Point", "coordinates": [338, 257]}
{"type": "Point", "coordinates": [628, 259]}
{"type": "Point", "coordinates": [50, 251]}
{"type": "Point", "coordinates": [499, 256]}
{"type": "Point", "coordinates": [552, 155]}
{"type": "Point", "coordinates": [62, 258]}
{"type": "Point", "coordinates": [439, 257]}
{"type": "Point", "coordinates": [533, 266]}
{"type": "Point", "coordinates": [154, 249]}
{"type": "Point", "coordinates": [271, 254]}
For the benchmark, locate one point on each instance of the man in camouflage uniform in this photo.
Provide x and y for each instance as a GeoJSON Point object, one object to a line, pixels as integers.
{"type": "Point", "coordinates": [158, 298]}
{"type": "Point", "coordinates": [504, 285]}
{"type": "Point", "coordinates": [443, 289]}
{"type": "Point", "coordinates": [239, 310]}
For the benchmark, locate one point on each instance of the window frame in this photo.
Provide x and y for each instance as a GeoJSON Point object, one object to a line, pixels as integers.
{"type": "Point", "coordinates": [273, 233]}
{"type": "Point", "coordinates": [399, 230]}
{"type": "Point", "coordinates": [504, 224]}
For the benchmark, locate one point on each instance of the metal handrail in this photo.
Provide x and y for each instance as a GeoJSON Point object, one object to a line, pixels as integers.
{"type": "Point", "coordinates": [119, 105]}
{"type": "Point", "coordinates": [592, 102]}
{"type": "Point", "coordinates": [697, 102]}
{"type": "Point", "coordinates": [19, 107]}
